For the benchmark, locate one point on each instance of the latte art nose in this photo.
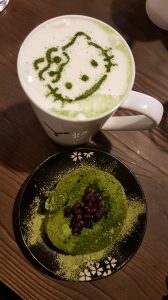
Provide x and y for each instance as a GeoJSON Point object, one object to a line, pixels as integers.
{"type": "Point", "coordinates": [68, 85]}
{"type": "Point", "coordinates": [94, 63]}
{"type": "Point", "coordinates": [57, 59]}
{"type": "Point", "coordinates": [84, 77]}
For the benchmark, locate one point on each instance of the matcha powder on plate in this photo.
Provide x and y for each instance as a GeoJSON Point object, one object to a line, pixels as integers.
{"type": "Point", "coordinates": [70, 267]}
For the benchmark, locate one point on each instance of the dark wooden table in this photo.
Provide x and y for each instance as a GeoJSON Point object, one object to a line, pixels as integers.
{"type": "Point", "coordinates": [23, 145]}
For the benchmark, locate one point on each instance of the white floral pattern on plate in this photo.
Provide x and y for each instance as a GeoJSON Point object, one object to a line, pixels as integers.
{"type": "Point", "coordinates": [85, 275]}
{"type": "Point", "coordinates": [78, 155]}
{"type": "Point", "coordinates": [98, 269]}
{"type": "Point", "coordinates": [88, 154]}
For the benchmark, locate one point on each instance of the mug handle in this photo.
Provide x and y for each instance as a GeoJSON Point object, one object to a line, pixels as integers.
{"type": "Point", "coordinates": [150, 109]}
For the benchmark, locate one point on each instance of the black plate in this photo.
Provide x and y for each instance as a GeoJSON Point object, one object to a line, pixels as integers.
{"type": "Point", "coordinates": [42, 252]}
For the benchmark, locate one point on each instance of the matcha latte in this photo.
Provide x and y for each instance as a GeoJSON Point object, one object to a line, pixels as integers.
{"type": "Point", "coordinates": [75, 67]}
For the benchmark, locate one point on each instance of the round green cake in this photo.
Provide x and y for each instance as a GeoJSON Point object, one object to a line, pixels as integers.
{"type": "Point", "coordinates": [69, 191]}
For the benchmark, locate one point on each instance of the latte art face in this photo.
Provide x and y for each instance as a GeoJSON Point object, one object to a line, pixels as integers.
{"type": "Point", "coordinates": [53, 69]}
{"type": "Point", "coordinates": [75, 67]}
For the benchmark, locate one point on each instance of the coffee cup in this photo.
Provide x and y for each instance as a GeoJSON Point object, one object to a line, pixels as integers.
{"type": "Point", "coordinates": [77, 71]}
{"type": "Point", "coordinates": [157, 11]}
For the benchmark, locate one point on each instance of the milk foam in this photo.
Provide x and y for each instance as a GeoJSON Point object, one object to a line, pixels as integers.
{"type": "Point", "coordinates": [57, 33]}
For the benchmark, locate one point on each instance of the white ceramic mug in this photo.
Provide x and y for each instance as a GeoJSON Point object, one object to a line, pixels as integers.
{"type": "Point", "coordinates": [157, 11]}
{"type": "Point", "coordinates": [74, 132]}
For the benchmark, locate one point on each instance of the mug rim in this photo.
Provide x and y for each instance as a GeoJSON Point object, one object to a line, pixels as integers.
{"type": "Point", "coordinates": [95, 118]}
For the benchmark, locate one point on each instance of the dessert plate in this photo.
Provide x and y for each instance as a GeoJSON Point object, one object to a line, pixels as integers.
{"type": "Point", "coordinates": [31, 213]}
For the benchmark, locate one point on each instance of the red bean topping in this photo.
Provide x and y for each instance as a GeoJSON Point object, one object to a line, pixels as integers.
{"type": "Point", "coordinates": [72, 223]}
{"type": "Point", "coordinates": [95, 196]}
{"type": "Point", "coordinates": [76, 231]}
{"type": "Point", "coordinates": [86, 198]}
{"type": "Point", "coordinates": [87, 217]}
{"type": "Point", "coordinates": [93, 210]}
{"type": "Point", "coordinates": [87, 212]}
{"type": "Point", "coordinates": [82, 204]}
{"type": "Point", "coordinates": [89, 224]}
{"type": "Point", "coordinates": [76, 207]}
{"type": "Point", "coordinates": [88, 190]}
{"type": "Point", "coordinates": [86, 209]}
{"type": "Point", "coordinates": [78, 217]}
{"type": "Point", "coordinates": [99, 214]}
{"type": "Point", "coordinates": [81, 223]}
{"type": "Point", "coordinates": [77, 212]}
{"type": "Point", "coordinates": [105, 210]}
{"type": "Point", "coordinates": [67, 211]}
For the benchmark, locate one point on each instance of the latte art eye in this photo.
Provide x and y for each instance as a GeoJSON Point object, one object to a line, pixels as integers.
{"type": "Point", "coordinates": [84, 77]}
{"type": "Point", "coordinates": [94, 63]}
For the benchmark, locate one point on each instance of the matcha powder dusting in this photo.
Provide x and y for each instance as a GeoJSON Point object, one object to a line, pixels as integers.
{"type": "Point", "coordinates": [33, 224]}
{"type": "Point", "coordinates": [70, 267]}
{"type": "Point", "coordinates": [135, 209]}
{"type": "Point", "coordinates": [80, 266]}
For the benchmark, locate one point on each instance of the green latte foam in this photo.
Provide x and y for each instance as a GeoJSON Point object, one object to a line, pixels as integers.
{"type": "Point", "coordinates": [96, 105]}
{"type": "Point", "coordinates": [66, 63]}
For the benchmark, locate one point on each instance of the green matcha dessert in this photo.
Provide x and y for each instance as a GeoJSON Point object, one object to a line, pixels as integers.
{"type": "Point", "coordinates": [86, 211]}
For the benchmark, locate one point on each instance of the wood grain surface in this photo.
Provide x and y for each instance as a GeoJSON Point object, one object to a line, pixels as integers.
{"type": "Point", "coordinates": [23, 145]}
